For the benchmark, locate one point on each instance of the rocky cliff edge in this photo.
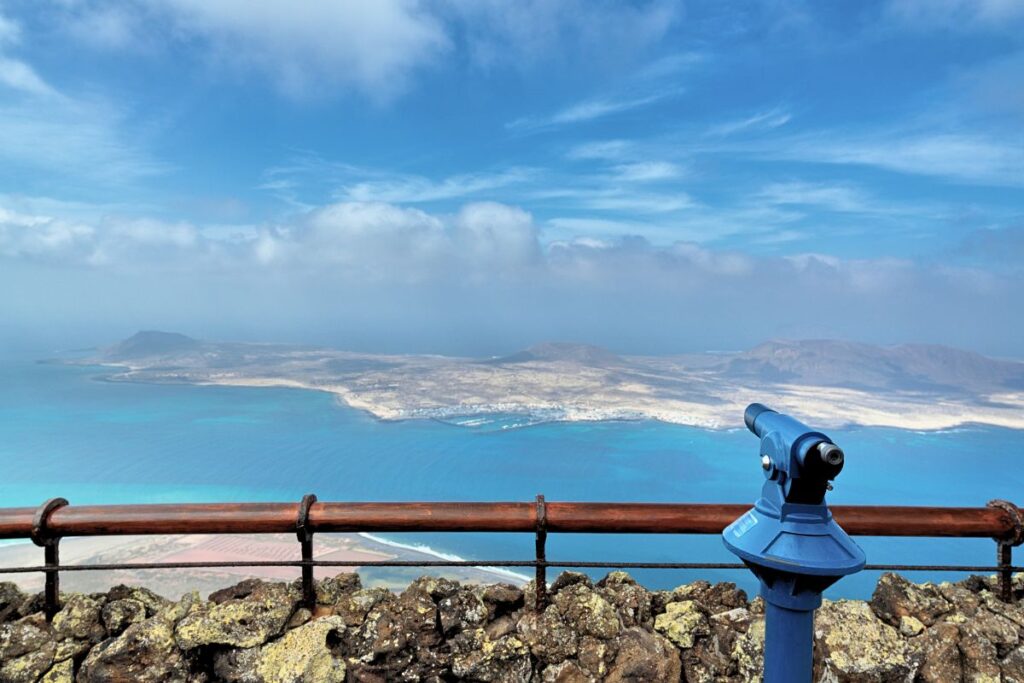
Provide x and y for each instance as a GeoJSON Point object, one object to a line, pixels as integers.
{"type": "Point", "coordinates": [440, 630]}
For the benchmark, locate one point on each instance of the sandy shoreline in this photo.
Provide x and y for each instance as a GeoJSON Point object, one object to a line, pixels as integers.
{"type": "Point", "coordinates": [826, 406]}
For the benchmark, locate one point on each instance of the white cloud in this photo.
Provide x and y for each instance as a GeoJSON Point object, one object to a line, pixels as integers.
{"type": "Point", "coordinates": [117, 26]}
{"type": "Point", "coordinates": [843, 198]}
{"type": "Point", "coordinates": [380, 242]}
{"type": "Point", "coordinates": [31, 236]}
{"type": "Point", "coordinates": [961, 157]}
{"type": "Point", "coordinates": [14, 73]}
{"type": "Point", "coordinates": [42, 128]}
{"type": "Point", "coordinates": [766, 120]}
{"type": "Point", "coordinates": [956, 14]}
{"type": "Point", "coordinates": [524, 33]}
{"type": "Point", "coordinates": [316, 46]}
{"type": "Point", "coordinates": [417, 189]}
{"type": "Point", "coordinates": [589, 110]}
{"type": "Point", "coordinates": [602, 150]}
{"type": "Point", "coordinates": [610, 197]}
{"type": "Point", "coordinates": [648, 171]}
{"type": "Point", "coordinates": [489, 232]}
{"type": "Point", "coordinates": [20, 76]}
{"type": "Point", "coordinates": [10, 31]}
{"type": "Point", "coordinates": [70, 138]}
{"type": "Point", "coordinates": [306, 47]}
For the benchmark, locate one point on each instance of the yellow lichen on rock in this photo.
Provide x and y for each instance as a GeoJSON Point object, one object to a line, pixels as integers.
{"type": "Point", "coordinates": [682, 622]}
{"type": "Point", "coordinates": [61, 672]}
{"type": "Point", "coordinates": [303, 655]}
{"type": "Point", "coordinates": [857, 645]}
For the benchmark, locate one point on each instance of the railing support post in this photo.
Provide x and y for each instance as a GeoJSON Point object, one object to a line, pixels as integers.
{"type": "Point", "coordinates": [1004, 547]}
{"type": "Point", "coordinates": [1004, 554]}
{"type": "Point", "coordinates": [51, 554]}
{"type": "Point", "coordinates": [305, 536]}
{"type": "Point", "coordinates": [541, 577]}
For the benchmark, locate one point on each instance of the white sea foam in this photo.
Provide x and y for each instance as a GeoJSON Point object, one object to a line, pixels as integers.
{"type": "Point", "coordinates": [427, 550]}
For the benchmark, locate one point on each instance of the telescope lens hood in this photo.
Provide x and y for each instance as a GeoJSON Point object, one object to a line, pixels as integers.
{"type": "Point", "coordinates": [753, 411]}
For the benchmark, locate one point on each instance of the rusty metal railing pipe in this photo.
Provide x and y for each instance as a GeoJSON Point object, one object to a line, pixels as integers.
{"type": "Point", "coordinates": [562, 517]}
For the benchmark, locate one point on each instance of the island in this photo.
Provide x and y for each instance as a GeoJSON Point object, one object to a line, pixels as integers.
{"type": "Point", "coordinates": [826, 382]}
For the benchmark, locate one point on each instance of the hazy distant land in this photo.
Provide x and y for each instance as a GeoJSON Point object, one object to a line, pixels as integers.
{"type": "Point", "coordinates": [828, 382]}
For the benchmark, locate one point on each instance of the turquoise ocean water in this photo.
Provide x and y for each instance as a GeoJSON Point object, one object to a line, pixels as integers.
{"type": "Point", "coordinates": [65, 432]}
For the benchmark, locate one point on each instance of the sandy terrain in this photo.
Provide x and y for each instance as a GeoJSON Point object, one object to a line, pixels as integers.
{"type": "Point", "coordinates": [172, 583]}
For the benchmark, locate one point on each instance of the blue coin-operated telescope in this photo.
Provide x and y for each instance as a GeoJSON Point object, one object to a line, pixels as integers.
{"type": "Point", "coordinates": [790, 541]}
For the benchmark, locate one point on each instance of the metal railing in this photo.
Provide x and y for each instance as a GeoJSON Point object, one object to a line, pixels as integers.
{"type": "Point", "coordinates": [1000, 520]}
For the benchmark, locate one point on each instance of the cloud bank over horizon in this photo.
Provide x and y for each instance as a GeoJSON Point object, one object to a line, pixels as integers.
{"type": "Point", "coordinates": [481, 280]}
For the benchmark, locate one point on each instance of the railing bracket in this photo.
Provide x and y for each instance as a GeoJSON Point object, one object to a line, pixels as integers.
{"type": "Point", "coordinates": [305, 535]}
{"type": "Point", "coordinates": [1005, 546]}
{"type": "Point", "coordinates": [50, 544]}
{"type": "Point", "coordinates": [541, 579]}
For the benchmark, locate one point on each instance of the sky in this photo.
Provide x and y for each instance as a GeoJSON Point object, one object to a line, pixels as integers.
{"type": "Point", "coordinates": [474, 176]}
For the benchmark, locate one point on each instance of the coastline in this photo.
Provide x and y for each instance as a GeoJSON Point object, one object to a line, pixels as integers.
{"type": "Point", "coordinates": [859, 409]}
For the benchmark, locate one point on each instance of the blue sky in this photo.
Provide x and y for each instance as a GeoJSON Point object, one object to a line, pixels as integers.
{"type": "Point", "coordinates": [473, 175]}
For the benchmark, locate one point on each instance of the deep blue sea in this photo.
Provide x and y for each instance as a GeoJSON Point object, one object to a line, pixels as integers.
{"type": "Point", "coordinates": [66, 432]}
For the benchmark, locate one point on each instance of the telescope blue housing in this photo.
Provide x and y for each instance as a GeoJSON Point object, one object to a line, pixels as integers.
{"type": "Point", "coordinates": [789, 539]}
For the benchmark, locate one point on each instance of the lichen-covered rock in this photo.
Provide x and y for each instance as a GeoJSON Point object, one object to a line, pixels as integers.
{"type": "Point", "coordinates": [682, 622]}
{"type": "Point", "coordinates": [438, 629]}
{"type": "Point", "coordinates": [307, 654]}
{"type": "Point", "coordinates": [71, 649]}
{"type": "Point", "coordinates": [964, 602]}
{"type": "Point", "coordinates": [23, 636]}
{"type": "Point", "coordinates": [234, 665]}
{"type": "Point", "coordinates": [895, 597]}
{"type": "Point", "coordinates": [587, 611]}
{"type": "Point", "coordinates": [461, 609]}
{"type": "Point", "coordinates": [150, 600]}
{"type": "Point", "coordinates": [401, 636]}
{"type": "Point", "coordinates": [505, 659]}
{"type": "Point", "coordinates": [145, 653]}
{"type": "Point", "coordinates": [79, 618]}
{"type": "Point", "coordinates": [644, 656]}
{"type": "Point", "coordinates": [856, 646]}
{"type": "Point", "coordinates": [118, 615]}
{"type": "Point", "coordinates": [550, 639]}
{"type": "Point", "coordinates": [938, 652]}
{"type": "Point", "coordinates": [245, 616]}
{"type": "Point", "coordinates": [629, 599]}
{"type": "Point", "coordinates": [594, 656]}
{"type": "Point", "coordinates": [10, 600]}
{"type": "Point", "coordinates": [353, 607]}
{"type": "Point", "coordinates": [32, 604]}
{"type": "Point", "coordinates": [713, 597]}
{"type": "Point", "coordinates": [566, 579]}
{"type": "Point", "coordinates": [910, 627]}
{"type": "Point", "coordinates": [27, 649]}
{"type": "Point", "coordinates": [61, 672]}
{"type": "Point", "coordinates": [566, 672]}
{"type": "Point", "coordinates": [501, 599]}
{"type": "Point", "coordinates": [997, 629]}
{"type": "Point", "coordinates": [712, 657]}
{"type": "Point", "coordinates": [1013, 666]}
{"type": "Point", "coordinates": [748, 651]}
{"type": "Point", "coordinates": [331, 590]}
{"type": "Point", "coordinates": [980, 663]}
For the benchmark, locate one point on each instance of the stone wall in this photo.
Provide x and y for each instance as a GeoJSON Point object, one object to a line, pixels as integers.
{"type": "Point", "coordinates": [439, 630]}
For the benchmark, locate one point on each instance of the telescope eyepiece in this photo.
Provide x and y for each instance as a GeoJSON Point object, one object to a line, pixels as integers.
{"type": "Point", "coordinates": [750, 415]}
{"type": "Point", "coordinates": [831, 454]}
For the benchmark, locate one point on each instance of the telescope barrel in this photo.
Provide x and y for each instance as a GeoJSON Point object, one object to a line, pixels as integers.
{"type": "Point", "coordinates": [750, 415]}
